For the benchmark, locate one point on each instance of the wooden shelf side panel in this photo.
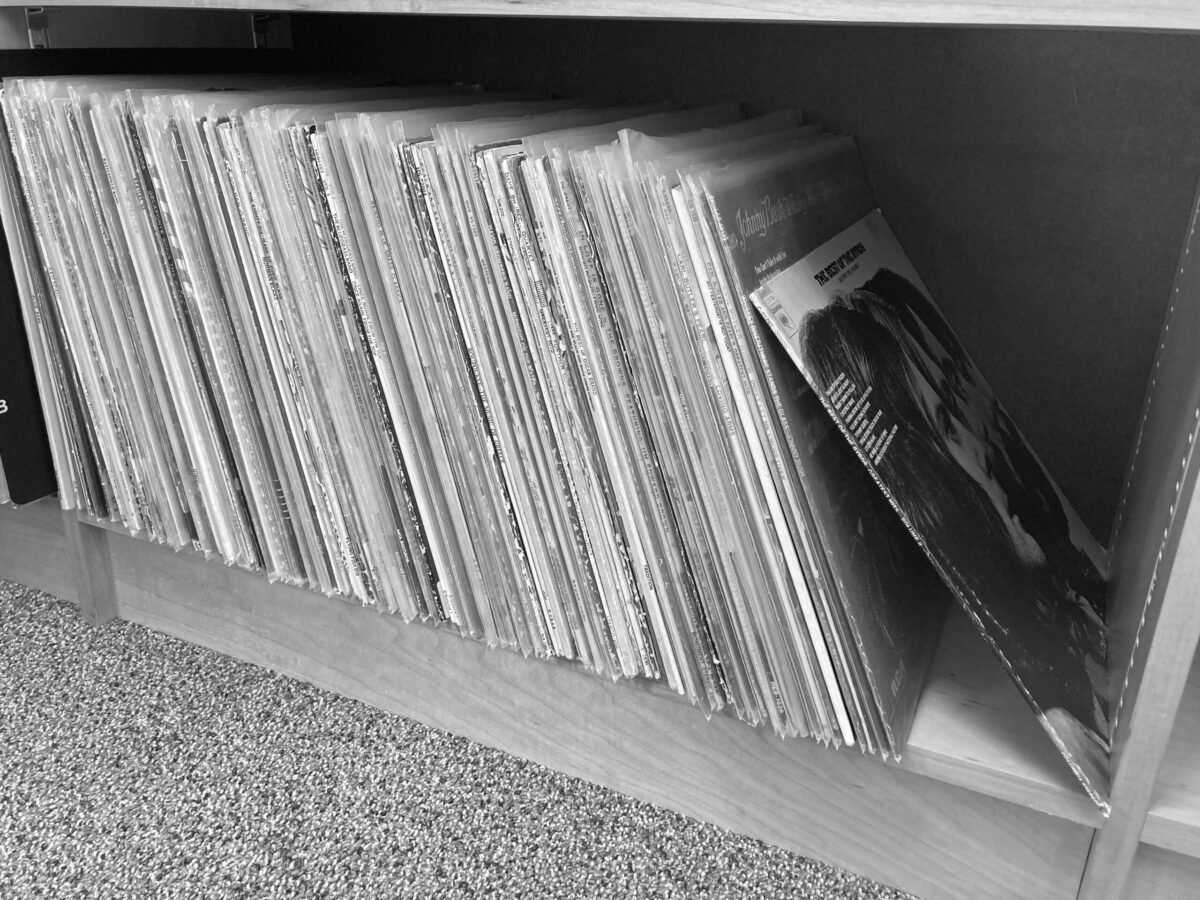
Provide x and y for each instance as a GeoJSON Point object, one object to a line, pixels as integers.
{"type": "Point", "coordinates": [1162, 480]}
{"type": "Point", "coordinates": [932, 838]}
{"type": "Point", "coordinates": [1149, 716]}
{"type": "Point", "coordinates": [1154, 619]}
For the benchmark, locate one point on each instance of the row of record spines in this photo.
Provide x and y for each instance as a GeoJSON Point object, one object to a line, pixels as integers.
{"type": "Point", "coordinates": [517, 624]}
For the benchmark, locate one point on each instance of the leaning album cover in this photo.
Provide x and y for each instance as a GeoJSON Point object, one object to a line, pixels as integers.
{"type": "Point", "coordinates": [857, 321]}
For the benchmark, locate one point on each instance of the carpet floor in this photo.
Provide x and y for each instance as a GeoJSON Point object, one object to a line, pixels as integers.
{"type": "Point", "coordinates": [136, 765]}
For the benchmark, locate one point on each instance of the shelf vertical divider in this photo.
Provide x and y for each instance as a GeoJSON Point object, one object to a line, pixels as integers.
{"type": "Point", "coordinates": [1154, 619]}
{"type": "Point", "coordinates": [89, 552]}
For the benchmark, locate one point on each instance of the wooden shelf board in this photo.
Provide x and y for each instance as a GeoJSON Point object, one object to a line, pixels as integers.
{"type": "Point", "coordinates": [1158, 874]}
{"type": "Point", "coordinates": [1142, 14]}
{"type": "Point", "coordinates": [919, 833]}
{"type": "Point", "coordinates": [1173, 822]}
{"type": "Point", "coordinates": [973, 728]}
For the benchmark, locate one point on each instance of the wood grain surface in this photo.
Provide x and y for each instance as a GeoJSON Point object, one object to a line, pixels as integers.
{"type": "Point", "coordinates": [1154, 617]}
{"type": "Point", "coordinates": [1161, 875]}
{"type": "Point", "coordinates": [1148, 720]}
{"type": "Point", "coordinates": [33, 548]}
{"type": "Point", "coordinates": [1173, 822]}
{"type": "Point", "coordinates": [926, 836]}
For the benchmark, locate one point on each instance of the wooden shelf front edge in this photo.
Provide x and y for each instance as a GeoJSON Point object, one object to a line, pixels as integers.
{"type": "Point", "coordinates": [1157, 15]}
{"type": "Point", "coordinates": [973, 729]}
{"type": "Point", "coordinates": [920, 834]}
{"type": "Point", "coordinates": [1173, 822]}
{"type": "Point", "coordinates": [981, 804]}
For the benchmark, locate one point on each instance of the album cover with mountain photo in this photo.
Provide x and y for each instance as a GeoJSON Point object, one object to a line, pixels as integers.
{"type": "Point", "coordinates": [861, 327]}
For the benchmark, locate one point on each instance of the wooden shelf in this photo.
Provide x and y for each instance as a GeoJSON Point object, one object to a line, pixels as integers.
{"type": "Point", "coordinates": [973, 729]}
{"type": "Point", "coordinates": [1173, 822]}
{"type": "Point", "coordinates": [1158, 15]}
{"type": "Point", "coordinates": [963, 813]}
{"type": "Point", "coordinates": [33, 548]}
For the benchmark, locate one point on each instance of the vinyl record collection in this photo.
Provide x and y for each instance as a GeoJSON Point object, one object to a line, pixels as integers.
{"type": "Point", "coordinates": [483, 360]}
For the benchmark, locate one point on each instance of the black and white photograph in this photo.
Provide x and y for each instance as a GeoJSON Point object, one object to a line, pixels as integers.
{"type": "Point", "coordinates": [506, 450]}
{"type": "Point", "coordinates": [857, 321]}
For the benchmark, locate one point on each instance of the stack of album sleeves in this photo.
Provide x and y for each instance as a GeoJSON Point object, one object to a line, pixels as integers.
{"type": "Point", "coordinates": [485, 360]}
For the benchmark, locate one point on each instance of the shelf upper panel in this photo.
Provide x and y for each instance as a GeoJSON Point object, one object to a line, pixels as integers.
{"type": "Point", "coordinates": [1179, 15]}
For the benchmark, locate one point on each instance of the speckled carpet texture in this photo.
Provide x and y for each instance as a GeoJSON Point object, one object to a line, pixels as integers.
{"type": "Point", "coordinates": [135, 765]}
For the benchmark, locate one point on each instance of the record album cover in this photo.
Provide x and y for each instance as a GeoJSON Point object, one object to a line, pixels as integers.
{"type": "Point", "coordinates": [857, 321]}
